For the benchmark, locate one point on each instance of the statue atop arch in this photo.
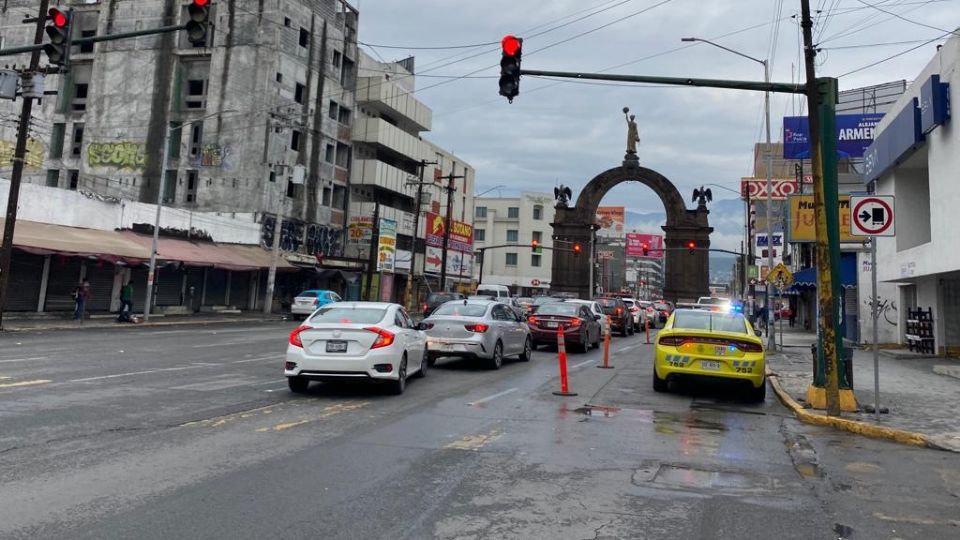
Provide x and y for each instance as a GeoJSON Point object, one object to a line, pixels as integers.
{"type": "Point", "coordinates": [633, 134]}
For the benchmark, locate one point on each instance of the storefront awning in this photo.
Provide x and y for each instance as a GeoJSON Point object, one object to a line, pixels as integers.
{"type": "Point", "coordinates": [807, 278]}
{"type": "Point", "coordinates": [234, 257]}
{"type": "Point", "coordinates": [49, 239]}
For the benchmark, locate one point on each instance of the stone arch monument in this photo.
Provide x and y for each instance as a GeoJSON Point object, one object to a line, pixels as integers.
{"type": "Point", "coordinates": [686, 275]}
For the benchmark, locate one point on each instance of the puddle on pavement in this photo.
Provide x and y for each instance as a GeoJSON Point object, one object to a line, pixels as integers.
{"type": "Point", "coordinates": [597, 410]}
{"type": "Point", "coordinates": [807, 470]}
{"type": "Point", "coordinates": [697, 478]}
{"type": "Point", "coordinates": [672, 423]}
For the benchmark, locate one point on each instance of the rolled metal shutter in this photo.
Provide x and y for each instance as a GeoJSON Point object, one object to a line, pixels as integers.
{"type": "Point", "coordinates": [100, 275]}
{"type": "Point", "coordinates": [138, 278]}
{"type": "Point", "coordinates": [23, 288]}
{"type": "Point", "coordinates": [194, 288]}
{"type": "Point", "coordinates": [169, 285]}
{"type": "Point", "coordinates": [240, 289]}
{"type": "Point", "coordinates": [64, 278]}
{"type": "Point", "coordinates": [216, 287]}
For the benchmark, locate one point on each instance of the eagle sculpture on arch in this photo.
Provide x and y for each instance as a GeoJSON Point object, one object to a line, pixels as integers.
{"type": "Point", "coordinates": [702, 196]}
{"type": "Point", "coordinates": [563, 195]}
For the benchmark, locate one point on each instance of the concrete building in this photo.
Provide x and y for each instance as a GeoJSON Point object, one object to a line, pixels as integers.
{"type": "Point", "coordinates": [505, 228]}
{"type": "Point", "coordinates": [390, 160]}
{"type": "Point", "coordinates": [915, 157]}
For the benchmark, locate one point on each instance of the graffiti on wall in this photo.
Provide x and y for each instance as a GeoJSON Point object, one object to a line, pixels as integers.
{"type": "Point", "coordinates": [296, 236]}
{"type": "Point", "coordinates": [212, 155]}
{"type": "Point", "coordinates": [119, 155]}
{"type": "Point", "coordinates": [34, 157]}
{"type": "Point", "coordinates": [885, 309]}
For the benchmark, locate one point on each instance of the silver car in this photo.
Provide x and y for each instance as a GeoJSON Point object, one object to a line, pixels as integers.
{"type": "Point", "coordinates": [595, 309]}
{"type": "Point", "coordinates": [483, 329]}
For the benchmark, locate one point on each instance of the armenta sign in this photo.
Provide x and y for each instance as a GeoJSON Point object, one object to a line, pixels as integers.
{"type": "Point", "coordinates": [855, 132]}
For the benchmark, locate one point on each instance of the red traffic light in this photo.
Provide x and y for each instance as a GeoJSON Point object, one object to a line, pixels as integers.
{"type": "Point", "coordinates": [201, 3]}
{"type": "Point", "coordinates": [510, 44]}
{"type": "Point", "coordinates": [576, 248]}
{"type": "Point", "coordinates": [691, 245]}
{"type": "Point", "coordinates": [57, 17]}
{"type": "Point", "coordinates": [534, 244]}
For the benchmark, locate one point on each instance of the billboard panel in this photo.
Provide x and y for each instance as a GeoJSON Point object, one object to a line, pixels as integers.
{"type": "Point", "coordinates": [461, 234]}
{"type": "Point", "coordinates": [387, 245]}
{"type": "Point", "coordinates": [611, 220]}
{"type": "Point", "coordinates": [854, 134]}
{"type": "Point", "coordinates": [654, 242]}
{"type": "Point", "coordinates": [803, 220]}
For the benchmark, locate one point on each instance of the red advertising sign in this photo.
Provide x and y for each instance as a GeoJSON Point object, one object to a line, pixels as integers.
{"type": "Point", "coordinates": [757, 188]}
{"type": "Point", "coordinates": [636, 241]}
{"type": "Point", "coordinates": [461, 234]}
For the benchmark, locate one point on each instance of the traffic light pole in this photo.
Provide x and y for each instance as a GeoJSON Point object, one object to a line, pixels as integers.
{"type": "Point", "coordinates": [408, 296]}
{"type": "Point", "coordinates": [20, 152]}
{"type": "Point", "coordinates": [450, 188]}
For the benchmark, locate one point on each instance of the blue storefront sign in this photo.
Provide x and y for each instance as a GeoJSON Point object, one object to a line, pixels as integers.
{"type": "Point", "coordinates": [897, 141]}
{"type": "Point", "coordinates": [854, 135]}
{"type": "Point", "coordinates": [934, 104]}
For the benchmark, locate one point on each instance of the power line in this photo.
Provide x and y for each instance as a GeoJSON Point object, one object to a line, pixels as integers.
{"type": "Point", "coordinates": [891, 57]}
{"type": "Point", "coordinates": [902, 18]}
{"type": "Point", "coordinates": [429, 48]}
{"type": "Point", "coordinates": [868, 45]}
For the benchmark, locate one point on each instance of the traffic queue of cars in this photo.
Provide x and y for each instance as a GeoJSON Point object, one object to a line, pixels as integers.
{"type": "Point", "coordinates": [378, 341]}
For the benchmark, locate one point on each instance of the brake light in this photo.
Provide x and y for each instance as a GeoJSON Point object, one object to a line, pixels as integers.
{"type": "Point", "coordinates": [747, 346]}
{"type": "Point", "coordinates": [478, 328]}
{"type": "Point", "coordinates": [619, 311]}
{"type": "Point", "coordinates": [672, 341]}
{"type": "Point", "coordinates": [531, 320]}
{"type": "Point", "coordinates": [424, 307]}
{"type": "Point", "coordinates": [316, 301]}
{"type": "Point", "coordinates": [295, 336]}
{"type": "Point", "coordinates": [634, 309]}
{"type": "Point", "coordinates": [384, 338]}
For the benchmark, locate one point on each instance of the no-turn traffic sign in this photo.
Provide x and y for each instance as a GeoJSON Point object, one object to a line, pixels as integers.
{"type": "Point", "coordinates": [872, 215]}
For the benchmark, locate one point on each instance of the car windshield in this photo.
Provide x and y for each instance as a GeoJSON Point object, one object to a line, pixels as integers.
{"type": "Point", "coordinates": [709, 320]}
{"type": "Point", "coordinates": [713, 301]}
{"type": "Point", "coordinates": [460, 309]}
{"type": "Point", "coordinates": [628, 303]}
{"type": "Point", "coordinates": [541, 300]}
{"type": "Point", "coordinates": [661, 306]}
{"type": "Point", "coordinates": [346, 314]}
{"type": "Point", "coordinates": [558, 308]}
{"type": "Point", "coordinates": [644, 305]}
{"type": "Point", "coordinates": [308, 294]}
{"type": "Point", "coordinates": [439, 298]}
{"type": "Point", "coordinates": [607, 302]}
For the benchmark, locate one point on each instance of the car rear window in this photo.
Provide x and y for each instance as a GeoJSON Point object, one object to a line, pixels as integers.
{"type": "Point", "coordinates": [459, 309]}
{"type": "Point", "coordinates": [660, 306]}
{"type": "Point", "coordinates": [607, 302]}
{"type": "Point", "coordinates": [439, 298]}
{"type": "Point", "coordinates": [308, 294]}
{"type": "Point", "coordinates": [541, 300]}
{"type": "Point", "coordinates": [558, 309]}
{"type": "Point", "coordinates": [709, 320]}
{"type": "Point", "coordinates": [349, 315]}
{"type": "Point", "coordinates": [628, 303]}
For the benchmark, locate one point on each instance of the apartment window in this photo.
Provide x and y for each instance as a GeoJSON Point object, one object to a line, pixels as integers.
{"type": "Point", "coordinates": [538, 211]}
{"type": "Point", "coordinates": [337, 59]}
{"type": "Point", "coordinates": [535, 261]}
{"type": "Point", "coordinates": [332, 110]}
{"type": "Point", "coordinates": [279, 77]}
{"type": "Point", "coordinates": [513, 236]}
{"type": "Point", "coordinates": [272, 177]}
{"type": "Point", "coordinates": [196, 94]}
{"type": "Point", "coordinates": [480, 212]}
{"type": "Point", "coordinates": [339, 198]}
{"type": "Point", "coordinates": [511, 259]}
{"type": "Point", "coordinates": [53, 178]}
{"type": "Point", "coordinates": [346, 72]}
{"type": "Point", "coordinates": [295, 141]}
{"type": "Point", "coordinates": [286, 22]}
{"type": "Point", "coordinates": [304, 37]}
{"type": "Point", "coordinates": [291, 189]}
{"type": "Point", "coordinates": [327, 193]}
{"type": "Point", "coordinates": [77, 145]}
{"type": "Point", "coordinates": [57, 134]}
{"type": "Point", "coordinates": [537, 237]}
{"type": "Point", "coordinates": [80, 96]}
{"type": "Point", "coordinates": [479, 235]}
{"type": "Point", "coordinates": [176, 135]}
{"type": "Point", "coordinates": [298, 93]}
{"type": "Point", "coordinates": [74, 176]}
{"type": "Point", "coordinates": [170, 186]}
{"type": "Point", "coordinates": [344, 116]}
{"type": "Point", "coordinates": [87, 47]}
{"type": "Point", "coordinates": [343, 155]}
{"type": "Point", "coordinates": [513, 212]}
{"type": "Point", "coordinates": [193, 178]}
{"type": "Point", "coordinates": [331, 154]}
{"type": "Point", "coordinates": [196, 138]}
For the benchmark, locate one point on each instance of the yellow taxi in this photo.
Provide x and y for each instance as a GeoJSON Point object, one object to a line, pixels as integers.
{"type": "Point", "coordinates": [709, 344]}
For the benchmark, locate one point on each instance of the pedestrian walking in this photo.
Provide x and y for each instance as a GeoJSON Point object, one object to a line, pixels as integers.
{"type": "Point", "coordinates": [81, 294]}
{"type": "Point", "coordinates": [126, 303]}
{"type": "Point", "coordinates": [793, 317]}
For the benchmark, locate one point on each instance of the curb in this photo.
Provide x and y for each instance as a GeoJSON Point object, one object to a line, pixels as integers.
{"type": "Point", "coordinates": [138, 325]}
{"type": "Point", "coordinates": [853, 426]}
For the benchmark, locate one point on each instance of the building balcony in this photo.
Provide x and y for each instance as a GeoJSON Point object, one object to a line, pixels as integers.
{"type": "Point", "coordinates": [376, 131]}
{"type": "Point", "coordinates": [378, 173]}
{"type": "Point", "coordinates": [389, 98]}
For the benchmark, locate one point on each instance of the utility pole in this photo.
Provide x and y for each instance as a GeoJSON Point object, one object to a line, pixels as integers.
{"type": "Point", "coordinates": [374, 245]}
{"type": "Point", "coordinates": [274, 260]}
{"type": "Point", "coordinates": [450, 188]}
{"type": "Point", "coordinates": [823, 160]}
{"type": "Point", "coordinates": [23, 131]}
{"type": "Point", "coordinates": [408, 296]}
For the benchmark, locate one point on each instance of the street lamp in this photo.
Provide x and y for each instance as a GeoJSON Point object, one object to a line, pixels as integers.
{"type": "Point", "coordinates": [771, 341]}
{"type": "Point", "coordinates": [746, 234]}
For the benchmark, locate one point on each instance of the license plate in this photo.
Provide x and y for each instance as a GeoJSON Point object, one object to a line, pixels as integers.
{"type": "Point", "coordinates": [719, 350]}
{"type": "Point", "coordinates": [336, 346]}
{"type": "Point", "coordinates": [707, 364]}
{"type": "Point", "coordinates": [549, 324]}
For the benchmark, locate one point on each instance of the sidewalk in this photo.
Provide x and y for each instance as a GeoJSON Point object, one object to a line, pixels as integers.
{"type": "Point", "coordinates": [107, 320]}
{"type": "Point", "coordinates": [922, 394]}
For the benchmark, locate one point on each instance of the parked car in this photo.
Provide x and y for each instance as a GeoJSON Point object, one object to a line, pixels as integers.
{"type": "Point", "coordinates": [649, 314]}
{"type": "Point", "coordinates": [663, 309]}
{"type": "Point", "coordinates": [621, 319]}
{"type": "Point", "coordinates": [369, 341]}
{"type": "Point", "coordinates": [697, 343]}
{"type": "Point", "coordinates": [487, 330]}
{"type": "Point", "coordinates": [595, 309]}
{"type": "Point", "coordinates": [713, 303]}
{"type": "Point", "coordinates": [310, 300]}
{"type": "Point", "coordinates": [541, 300]}
{"type": "Point", "coordinates": [498, 292]}
{"type": "Point", "coordinates": [437, 299]}
{"type": "Point", "coordinates": [581, 328]}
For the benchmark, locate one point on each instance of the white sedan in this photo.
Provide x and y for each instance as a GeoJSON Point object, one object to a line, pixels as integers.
{"type": "Point", "coordinates": [371, 341]}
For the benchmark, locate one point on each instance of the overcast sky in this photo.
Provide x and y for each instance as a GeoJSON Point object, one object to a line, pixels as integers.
{"type": "Point", "coordinates": [569, 132]}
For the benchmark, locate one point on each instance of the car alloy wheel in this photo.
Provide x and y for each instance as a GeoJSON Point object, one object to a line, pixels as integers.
{"type": "Point", "coordinates": [527, 354]}
{"type": "Point", "coordinates": [424, 363]}
{"type": "Point", "coordinates": [497, 359]}
{"type": "Point", "coordinates": [398, 386]}
{"type": "Point", "coordinates": [298, 385]}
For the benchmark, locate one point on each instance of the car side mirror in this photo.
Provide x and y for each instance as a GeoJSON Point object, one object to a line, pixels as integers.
{"type": "Point", "coordinates": [421, 326]}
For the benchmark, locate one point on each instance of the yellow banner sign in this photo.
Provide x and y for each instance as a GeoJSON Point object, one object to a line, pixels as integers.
{"type": "Point", "coordinates": [803, 221]}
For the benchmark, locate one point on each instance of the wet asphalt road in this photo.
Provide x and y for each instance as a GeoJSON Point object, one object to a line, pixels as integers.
{"type": "Point", "coordinates": [191, 433]}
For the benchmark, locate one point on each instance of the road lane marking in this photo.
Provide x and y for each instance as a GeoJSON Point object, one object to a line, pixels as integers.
{"type": "Point", "coordinates": [474, 442]}
{"type": "Point", "coordinates": [274, 357]}
{"type": "Point", "coordinates": [581, 364]}
{"type": "Point", "coordinates": [221, 420]}
{"type": "Point", "coordinates": [328, 411]}
{"type": "Point", "coordinates": [25, 383]}
{"type": "Point", "coordinates": [494, 396]}
{"type": "Point", "coordinates": [229, 343]}
{"type": "Point", "coordinates": [115, 375]}
{"type": "Point", "coordinates": [31, 359]}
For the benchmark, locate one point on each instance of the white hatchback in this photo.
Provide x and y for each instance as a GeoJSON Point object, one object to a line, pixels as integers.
{"type": "Point", "coordinates": [371, 341]}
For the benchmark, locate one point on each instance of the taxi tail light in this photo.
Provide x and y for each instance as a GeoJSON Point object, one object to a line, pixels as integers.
{"type": "Point", "coordinates": [384, 338]}
{"type": "Point", "coordinates": [295, 336]}
{"type": "Point", "coordinates": [747, 346]}
{"type": "Point", "coordinates": [478, 328]}
{"type": "Point", "coordinates": [673, 341]}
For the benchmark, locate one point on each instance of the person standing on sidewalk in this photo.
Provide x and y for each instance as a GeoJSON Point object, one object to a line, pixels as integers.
{"type": "Point", "coordinates": [80, 296]}
{"type": "Point", "coordinates": [126, 303]}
